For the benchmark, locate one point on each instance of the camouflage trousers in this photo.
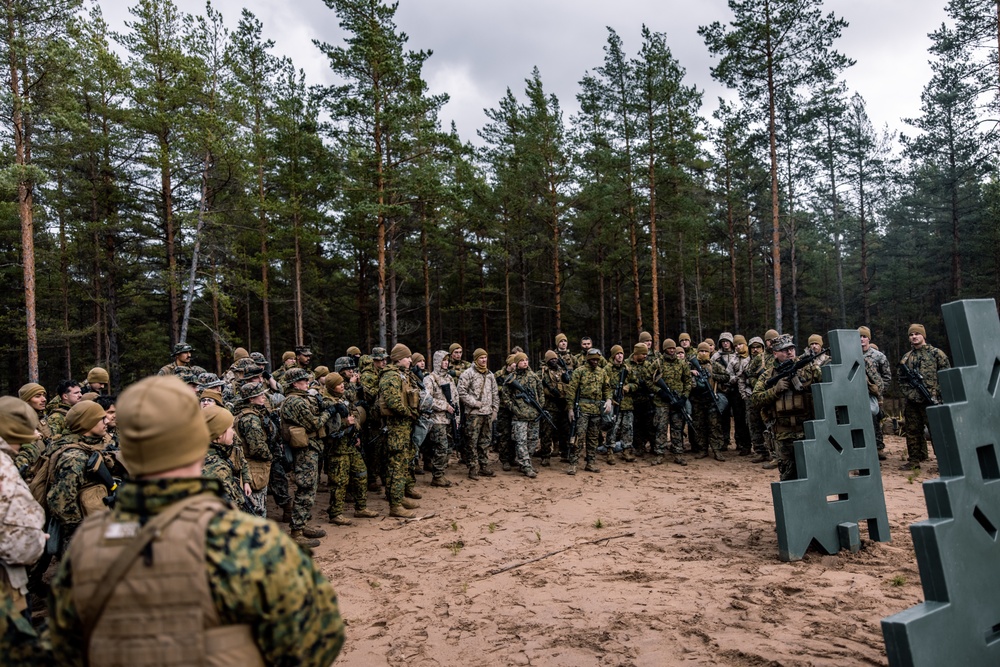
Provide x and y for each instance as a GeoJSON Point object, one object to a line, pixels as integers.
{"type": "Point", "coordinates": [306, 467]}
{"type": "Point", "coordinates": [504, 441]}
{"type": "Point", "coordinates": [784, 448]}
{"type": "Point", "coordinates": [258, 502]}
{"type": "Point", "coordinates": [915, 420]}
{"type": "Point", "coordinates": [373, 449]}
{"type": "Point", "coordinates": [437, 449]}
{"type": "Point", "coordinates": [20, 644]}
{"type": "Point", "coordinates": [622, 431]}
{"type": "Point", "coordinates": [741, 431]}
{"type": "Point", "coordinates": [346, 472]}
{"type": "Point", "coordinates": [707, 424]}
{"type": "Point", "coordinates": [477, 438]}
{"type": "Point", "coordinates": [877, 423]}
{"type": "Point", "coordinates": [644, 426]}
{"type": "Point", "coordinates": [525, 436]}
{"type": "Point", "coordinates": [277, 482]}
{"type": "Point", "coordinates": [755, 424]}
{"type": "Point", "coordinates": [588, 437]}
{"type": "Point", "coordinates": [668, 419]}
{"type": "Point", "coordinates": [399, 459]}
{"type": "Point", "coordinates": [554, 440]}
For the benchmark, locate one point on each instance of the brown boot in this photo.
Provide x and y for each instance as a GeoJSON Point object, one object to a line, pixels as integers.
{"type": "Point", "coordinates": [303, 541]}
{"type": "Point", "coordinates": [401, 512]}
{"type": "Point", "coordinates": [365, 514]}
{"type": "Point", "coordinates": [718, 456]}
{"type": "Point", "coordinates": [286, 516]}
{"type": "Point", "coordinates": [628, 455]}
{"type": "Point", "coordinates": [473, 474]}
{"type": "Point", "coordinates": [760, 458]}
{"type": "Point", "coordinates": [340, 520]}
{"type": "Point", "coordinates": [611, 459]}
{"type": "Point", "coordinates": [413, 493]}
{"type": "Point", "coordinates": [313, 531]}
{"type": "Point", "coordinates": [443, 482]}
{"type": "Point", "coordinates": [410, 504]}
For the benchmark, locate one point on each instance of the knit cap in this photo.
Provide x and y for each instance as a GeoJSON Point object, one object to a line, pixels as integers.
{"type": "Point", "coordinates": [333, 380]}
{"type": "Point", "coordinates": [640, 348]}
{"type": "Point", "coordinates": [917, 328]}
{"type": "Point", "coordinates": [84, 416]}
{"type": "Point", "coordinates": [18, 422]}
{"type": "Point", "coordinates": [218, 420]}
{"type": "Point", "coordinates": [399, 351]}
{"type": "Point", "coordinates": [98, 374]}
{"type": "Point", "coordinates": [29, 391]}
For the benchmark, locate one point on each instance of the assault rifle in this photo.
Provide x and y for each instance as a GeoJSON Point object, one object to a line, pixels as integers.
{"type": "Point", "coordinates": [702, 380]}
{"type": "Point", "coordinates": [279, 450]}
{"type": "Point", "coordinates": [96, 465]}
{"type": "Point", "coordinates": [787, 369]}
{"type": "Point", "coordinates": [576, 417]}
{"type": "Point", "coordinates": [676, 401]}
{"type": "Point", "coordinates": [565, 373]}
{"type": "Point", "coordinates": [529, 398]}
{"type": "Point", "coordinates": [915, 379]}
{"type": "Point", "coordinates": [616, 402]}
{"type": "Point", "coordinates": [446, 390]}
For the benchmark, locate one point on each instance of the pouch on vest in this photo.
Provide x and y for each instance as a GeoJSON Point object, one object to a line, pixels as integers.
{"type": "Point", "coordinates": [92, 499]}
{"type": "Point", "coordinates": [383, 409]}
{"type": "Point", "coordinates": [297, 437]}
{"type": "Point", "coordinates": [260, 471]}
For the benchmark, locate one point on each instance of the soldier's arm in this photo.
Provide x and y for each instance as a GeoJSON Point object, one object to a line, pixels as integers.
{"type": "Point", "coordinates": [63, 496]}
{"type": "Point", "coordinates": [21, 518]}
{"type": "Point", "coordinates": [252, 431]}
{"type": "Point", "coordinates": [464, 393]}
{"type": "Point", "coordinates": [260, 578]}
{"type": "Point", "coordinates": [762, 397]}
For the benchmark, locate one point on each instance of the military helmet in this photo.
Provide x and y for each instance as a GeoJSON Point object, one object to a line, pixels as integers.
{"type": "Point", "coordinates": [343, 363]}
{"type": "Point", "coordinates": [782, 342]}
{"type": "Point", "coordinates": [181, 348]}
{"type": "Point", "coordinates": [258, 358]}
{"type": "Point", "coordinates": [296, 374]}
{"type": "Point", "coordinates": [379, 353]}
{"type": "Point", "coordinates": [254, 371]}
{"type": "Point", "coordinates": [250, 389]}
{"type": "Point", "coordinates": [593, 353]}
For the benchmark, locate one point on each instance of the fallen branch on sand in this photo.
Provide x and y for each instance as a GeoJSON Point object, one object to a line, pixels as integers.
{"type": "Point", "coordinates": [508, 568]}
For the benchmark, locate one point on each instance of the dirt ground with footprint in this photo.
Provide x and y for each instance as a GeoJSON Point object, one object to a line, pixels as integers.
{"type": "Point", "coordinates": [638, 565]}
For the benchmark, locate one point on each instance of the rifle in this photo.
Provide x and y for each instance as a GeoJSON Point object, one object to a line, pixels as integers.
{"type": "Point", "coordinates": [787, 369]}
{"type": "Point", "coordinates": [281, 453]}
{"type": "Point", "coordinates": [576, 416]}
{"type": "Point", "coordinates": [565, 373]}
{"type": "Point", "coordinates": [675, 400]}
{"type": "Point", "coordinates": [529, 398]}
{"type": "Point", "coordinates": [96, 465]}
{"type": "Point", "coordinates": [915, 379]}
{"type": "Point", "coordinates": [616, 401]}
{"type": "Point", "coordinates": [446, 390]}
{"type": "Point", "coordinates": [702, 382]}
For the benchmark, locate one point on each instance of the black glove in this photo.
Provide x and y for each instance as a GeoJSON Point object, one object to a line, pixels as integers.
{"type": "Point", "coordinates": [341, 409]}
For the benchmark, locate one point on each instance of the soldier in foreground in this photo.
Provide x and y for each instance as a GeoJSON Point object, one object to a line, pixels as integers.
{"type": "Point", "coordinates": [591, 394]}
{"type": "Point", "coordinates": [923, 362]}
{"type": "Point", "coordinates": [240, 590]}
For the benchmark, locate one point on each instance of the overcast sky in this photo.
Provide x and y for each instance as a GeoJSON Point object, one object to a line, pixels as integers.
{"type": "Point", "coordinates": [481, 48]}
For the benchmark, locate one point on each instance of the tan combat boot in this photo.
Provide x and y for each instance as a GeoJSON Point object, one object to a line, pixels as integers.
{"type": "Point", "coordinates": [413, 493]}
{"type": "Point", "coordinates": [340, 520]}
{"type": "Point", "coordinates": [313, 531]}
{"type": "Point", "coordinates": [410, 504]}
{"type": "Point", "coordinates": [303, 541]}
{"type": "Point", "coordinates": [401, 512]}
{"type": "Point", "coordinates": [365, 514]}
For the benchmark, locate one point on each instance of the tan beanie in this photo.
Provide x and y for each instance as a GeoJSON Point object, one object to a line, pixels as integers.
{"type": "Point", "coordinates": [684, 336]}
{"type": "Point", "coordinates": [640, 348]}
{"type": "Point", "coordinates": [711, 343]}
{"type": "Point", "coordinates": [770, 334]}
{"type": "Point", "coordinates": [333, 380]}
{"type": "Point", "coordinates": [98, 374]}
{"type": "Point", "coordinates": [480, 352]}
{"type": "Point", "coordinates": [213, 394]}
{"type": "Point", "coordinates": [18, 422]}
{"type": "Point", "coordinates": [917, 328]}
{"type": "Point", "coordinates": [29, 391]}
{"type": "Point", "coordinates": [89, 396]}
{"type": "Point", "coordinates": [669, 343]}
{"type": "Point", "coordinates": [218, 420]}
{"type": "Point", "coordinates": [519, 357]}
{"type": "Point", "coordinates": [865, 331]}
{"type": "Point", "coordinates": [416, 358]}
{"type": "Point", "coordinates": [453, 347]}
{"type": "Point", "coordinates": [84, 416]}
{"type": "Point", "coordinates": [550, 355]}
{"type": "Point", "coordinates": [704, 347]}
{"type": "Point", "coordinates": [399, 351]}
{"type": "Point", "coordinates": [739, 339]}
{"type": "Point", "coordinates": [240, 353]}
{"type": "Point", "coordinates": [815, 338]}
{"type": "Point", "coordinates": [616, 349]}
{"type": "Point", "coordinates": [644, 337]}
{"type": "Point", "coordinates": [510, 361]}
{"type": "Point", "coordinates": [561, 337]}
{"type": "Point", "coordinates": [160, 426]}
{"type": "Point", "coordinates": [320, 372]}
{"type": "Point", "coordinates": [285, 356]}
{"type": "Point", "coordinates": [354, 351]}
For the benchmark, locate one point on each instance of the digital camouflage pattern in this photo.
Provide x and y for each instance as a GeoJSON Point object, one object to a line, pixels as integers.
{"type": "Point", "coordinates": [345, 468]}
{"type": "Point", "coordinates": [219, 466]}
{"type": "Point", "coordinates": [56, 418]}
{"type": "Point", "coordinates": [594, 390]}
{"type": "Point", "coordinates": [927, 360]}
{"type": "Point", "coordinates": [70, 477]}
{"type": "Point", "coordinates": [555, 403]}
{"type": "Point", "coordinates": [788, 411]}
{"type": "Point", "coordinates": [393, 383]}
{"type": "Point", "coordinates": [257, 576]}
{"type": "Point", "coordinates": [302, 409]}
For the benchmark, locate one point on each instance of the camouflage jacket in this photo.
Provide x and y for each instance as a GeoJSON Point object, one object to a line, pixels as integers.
{"type": "Point", "coordinates": [253, 427]}
{"type": "Point", "coordinates": [392, 385]}
{"type": "Point", "coordinates": [581, 360]}
{"type": "Point", "coordinates": [519, 407]}
{"type": "Point", "coordinates": [70, 477]}
{"type": "Point", "coordinates": [479, 392]}
{"type": "Point", "coordinates": [877, 365]}
{"type": "Point", "coordinates": [456, 368]}
{"type": "Point", "coordinates": [305, 410]}
{"type": "Point", "coordinates": [641, 379]}
{"type": "Point", "coordinates": [614, 373]}
{"type": "Point", "coordinates": [433, 382]}
{"type": "Point", "coordinates": [928, 360]}
{"type": "Point", "coordinates": [594, 389]}
{"type": "Point", "coordinates": [718, 377]}
{"type": "Point", "coordinates": [256, 576]}
{"type": "Point", "coordinates": [370, 384]}
{"type": "Point", "coordinates": [555, 390]}
{"type": "Point", "coordinates": [677, 375]}
{"type": "Point", "coordinates": [22, 521]}
{"type": "Point", "coordinates": [56, 418]}
{"type": "Point", "coordinates": [219, 466]}
{"type": "Point", "coordinates": [567, 358]}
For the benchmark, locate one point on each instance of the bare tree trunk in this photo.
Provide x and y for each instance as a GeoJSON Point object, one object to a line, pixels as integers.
{"type": "Point", "coordinates": [217, 344]}
{"type": "Point", "coordinates": [865, 282]}
{"type": "Point", "coordinates": [557, 279]}
{"type": "Point", "coordinates": [731, 224]}
{"type": "Point", "coordinates": [167, 201]}
{"type": "Point", "coordinates": [193, 274]}
{"type": "Point", "coordinates": [425, 254]}
{"type": "Point", "coordinates": [300, 334]}
{"type": "Point", "coordinates": [482, 301]}
{"type": "Point", "coordinates": [773, 146]}
{"type": "Point", "coordinates": [654, 248]}
{"type": "Point", "coordinates": [681, 287]}
{"type": "Point", "coordinates": [697, 294]}
{"type": "Point", "coordinates": [393, 332]}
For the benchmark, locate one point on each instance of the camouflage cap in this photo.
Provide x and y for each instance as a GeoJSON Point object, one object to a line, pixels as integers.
{"type": "Point", "coordinates": [303, 350]}
{"type": "Point", "coordinates": [244, 364]}
{"type": "Point", "coordinates": [254, 371]}
{"type": "Point", "coordinates": [343, 363]}
{"type": "Point", "coordinates": [258, 358]}
{"type": "Point", "coordinates": [783, 341]}
{"type": "Point", "coordinates": [379, 353]}
{"type": "Point", "coordinates": [181, 348]}
{"type": "Point", "coordinates": [251, 389]}
{"type": "Point", "coordinates": [295, 375]}
{"type": "Point", "coordinates": [186, 376]}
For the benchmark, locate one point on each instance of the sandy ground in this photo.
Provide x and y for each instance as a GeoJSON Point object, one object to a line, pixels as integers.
{"type": "Point", "coordinates": [656, 565]}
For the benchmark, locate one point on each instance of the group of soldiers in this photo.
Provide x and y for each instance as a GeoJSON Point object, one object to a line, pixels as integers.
{"type": "Point", "coordinates": [374, 424]}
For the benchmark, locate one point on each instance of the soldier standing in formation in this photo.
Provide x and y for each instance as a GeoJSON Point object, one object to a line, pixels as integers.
{"type": "Point", "coordinates": [345, 466]}
{"type": "Point", "coordinates": [879, 379]}
{"type": "Point", "coordinates": [480, 397]}
{"type": "Point", "coordinates": [398, 405]}
{"type": "Point", "coordinates": [928, 361]}
{"type": "Point", "coordinates": [446, 418]}
{"type": "Point", "coordinates": [591, 392]}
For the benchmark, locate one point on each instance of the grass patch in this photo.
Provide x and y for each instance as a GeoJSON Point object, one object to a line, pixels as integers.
{"type": "Point", "coordinates": [492, 527]}
{"type": "Point", "coordinates": [455, 546]}
{"type": "Point", "coordinates": [598, 524]}
{"type": "Point", "coordinates": [898, 581]}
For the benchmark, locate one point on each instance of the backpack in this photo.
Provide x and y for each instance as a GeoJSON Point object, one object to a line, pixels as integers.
{"type": "Point", "coordinates": [42, 472]}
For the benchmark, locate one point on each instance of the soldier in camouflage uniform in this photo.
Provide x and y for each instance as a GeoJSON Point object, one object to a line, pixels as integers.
{"type": "Point", "coordinates": [788, 404]}
{"type": "Point", "coordinates": [97, 381]}
{"type": "Point", "coordinates": [22, 539]}
{"type": "Point", "coordinates": [879, 379]}
{"type": "Point", "coordinates": [644, 365]}
{"type": "Point", "coordinates": [256, 432]}
{"type": "Point", "coordinates": [524, 417]}
{"type": "Point", "coordinates": [352, 387]}
{"type": "Point", "coordinates": [928, 361]}
{"type": "Point", "coordinates": [555, 385]}
{"type": "Point", "coordinates": [456, 365]}
{"type": "Point", "coordinates": [669, 419]}
{"type": "Point", "coordinates": [271, 603]}
{"type": "Point", "coordinates": [69, 395]}
{"type": "Point", "coordinates": [182, 360]}
{"type": "Point", "coordinates": [816, 347]}
{"type": "Point", "coordinates": [345, 467]}
{"type": "Point", "coordinates": [304, 411]}
{"type": "Point", "coordinates": [704, 413]}
{"type": "Point", "coordinates": [287, 363]}
{"type": "Point", "coordinates": [74, 491]}
{"type": "Point", "coordinates": [399, 412]}
{"type": "Point", "coordinates": [373, 435]}
{"type": "Point", "coordinates": [503, 442]}
{"type": "Point", "coordinates": [218, 461]}
{"type": "Point", "coordinates": [684, 341]}
{"type": "Point", "coordinates": [621, 429]}
{"type": "Point", "coordinates": [444, 393]}
{"type": "Point", "coordinates": [763, 367]}
{"type": "Point", "coordinates": [746, 382]}
{"type": "Point", "coordinates": [590, 388]}
{"type": "Point", "coordinates": [34, 395]}
{"type": "Point", "coordinates": [565, 356]}
{"type": "Point", "coordinates": [481, 402]}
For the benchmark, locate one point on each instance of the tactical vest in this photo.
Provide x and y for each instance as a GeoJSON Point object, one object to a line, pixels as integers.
{"type": "Point", "coordinates": [156, 611]}
{"type": "Point", "coordinates": [792, 409]}
{"type": "Point", "coordinates": [260, 471]}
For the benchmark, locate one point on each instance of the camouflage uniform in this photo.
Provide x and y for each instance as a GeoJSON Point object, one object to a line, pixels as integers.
{"type": "Point", "coordinates": [879, 379]}
{"type": "Point", "coordinates": [760, 437]}
{"type": "Point", "coordinates": [706, 417]}
{"type": "Point", "coordinates": [642, 375]}
{"type": "Point", "coordinates": [503, 441]}
{"type": "Point", "coordinates": [480, 398]}
{"type": "Point", "coordinates": [70, 477]}
{"type": "Point", "coordinates": [928, 361]}
{"type": "Point", "coordinates": [622, 429]}
{"type": "Point", "coordinates": [524, 419]}
{"type": "Point", "coordinates": [303, 409]}
{"type": "Point", "coordinates": [595, 390]}
{"type": "Point", "coordinates": [56, 418]}
{"type": "Point", "coordinates": [22, 541]}
{"type": "Point", "coordinates": [256, 576]}
{"type": "Point", "coordinates": [345, 468]}
{"type": "Point", "coordinates": [789, 411]}
{"type": "Point", "coordinates": [219, 466]}
{"type": "Point", "coordinates": [439, 435]}
{"type": "Point", "coordinates": [393, 385]}
{"type": "Point", "coordinates": [255, 431]}
{"type": "Point", "coordinates": [669, 419]}
{"type": "Point", "coordinates": [556, 403]}
{"type": "Point", "coordinates": [372, 436]}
